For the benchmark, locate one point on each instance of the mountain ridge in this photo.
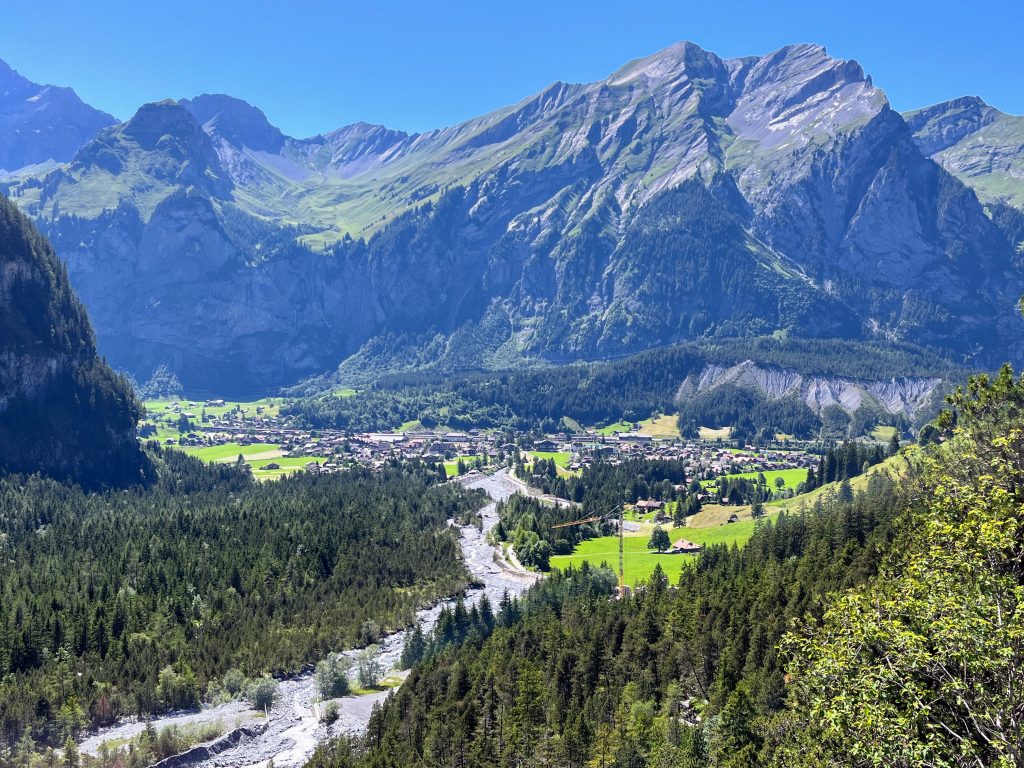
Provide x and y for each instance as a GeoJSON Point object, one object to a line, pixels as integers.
{"type": "Point", "coordinates": [31, 134]}
{"type": "Point", "coordinates": [555, 229]}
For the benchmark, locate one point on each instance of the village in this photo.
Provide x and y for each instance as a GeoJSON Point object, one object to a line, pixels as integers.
{"type": "Point", "coordinates": [272, 445]}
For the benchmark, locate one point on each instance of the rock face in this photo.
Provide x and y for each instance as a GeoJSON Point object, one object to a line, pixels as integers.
{"type": "Point", "coordinates": [63, 412]}
{"type": "Point", "coordinates": [978, 144]}
{"type": "Point", "coordinates": [683, 197]}
{"type": "Point", "coordinates": [42, 124]}
{"type": "Point", "coordinates": [907, 395]}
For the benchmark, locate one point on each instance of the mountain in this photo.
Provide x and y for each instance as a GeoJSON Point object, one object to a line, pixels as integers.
{"type": "Point", "coordinates": [683, 197]}
{"type": "Point", "coordinates": [977, 143]}
{"type": "Point", "coordinates": [63, 412]}
{"type": "Point", "coordinates": [42, 124]}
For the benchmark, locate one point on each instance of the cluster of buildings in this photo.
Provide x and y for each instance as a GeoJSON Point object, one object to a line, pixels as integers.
{"type": "Point", "coordinates": [329, 450]}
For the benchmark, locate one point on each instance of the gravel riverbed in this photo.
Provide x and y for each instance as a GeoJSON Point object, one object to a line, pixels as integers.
{"type": "Point", "coordinates": [294, 728]}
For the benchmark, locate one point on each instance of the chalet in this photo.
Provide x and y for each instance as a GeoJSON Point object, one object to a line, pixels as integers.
{"type": "Point", "coordinates": [733, 518]}
{"type": "Point", "coordinates": [545, 446]}
{"type": "Point", "coordinates": [684, 547]}
{"type": "Point", "coordinates": [648, 505]}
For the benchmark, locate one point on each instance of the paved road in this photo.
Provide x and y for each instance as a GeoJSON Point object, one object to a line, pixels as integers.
{"type": "Point", "coordinates": [295, 728]}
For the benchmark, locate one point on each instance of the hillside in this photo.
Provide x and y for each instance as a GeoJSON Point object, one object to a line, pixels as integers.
{"type": "Point", "coordinates": [683, 197]}
{"type": "Point", "coordinates": [63, 412]}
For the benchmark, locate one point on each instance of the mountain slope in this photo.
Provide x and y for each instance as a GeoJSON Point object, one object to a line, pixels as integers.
{"type": "Point", "coordinates": [41, 124]}
{"type": "Point", "coordinates": [63, 412]}
{"type": "Point", "coordinates": [683, 197]}
{"type": "Point", "coordinates": [977, 143]}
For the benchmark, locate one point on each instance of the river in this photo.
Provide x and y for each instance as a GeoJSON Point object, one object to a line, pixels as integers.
{"type": "Point", "coordinates": [294, 728]}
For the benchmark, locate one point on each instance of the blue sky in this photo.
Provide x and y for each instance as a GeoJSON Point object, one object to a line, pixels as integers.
{"type": "Point", "coordinates": [314, 66]}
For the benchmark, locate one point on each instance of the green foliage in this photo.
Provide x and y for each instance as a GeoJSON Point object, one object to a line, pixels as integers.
{"type": "Point", "coordinates": [262, 693]}
{"type": "Point", "coordinates": [634, 387]}
{"type": "Point", "coordinates": [569, 677]}
{"type": "Point", "coordinates": [921, 665]}
{"type": "Point", "coordinates": [163, 384]}
{"type": "Point", "coordinates": [659, 540]}
{"type": "Point", "coordinates": [133, 602]}
{"type": "Point", "coordinates": [332, 676]}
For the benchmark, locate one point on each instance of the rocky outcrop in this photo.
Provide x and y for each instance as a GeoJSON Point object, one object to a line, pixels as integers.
{"type": "Point", "coordinates": [907, 396]}
{"type": "Point", "coordinates": [203, 752]}
{"type": "Point", "coordinates": [63, 412]}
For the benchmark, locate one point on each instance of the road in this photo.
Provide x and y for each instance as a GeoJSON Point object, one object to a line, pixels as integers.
{"type": "Point", "coordinates": [294, 729]}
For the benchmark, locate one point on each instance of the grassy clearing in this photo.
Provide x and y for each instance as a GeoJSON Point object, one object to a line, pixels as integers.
{"type": "Point", "coordinates": [666, 426]}
{"type": "Point", "coordinates": [451, 468]}
{"type": "Point", "coordinates": [387, 684]}
{"type": "Point", "coordinates": [561, 457]}
{"type": "Point", "coordinates": [883, 434]}
{"type": "Point", "coordinates": [268, 406]}
{"type": "Point", "coordinates": [707, 433]}
{"type": "Point", "coordinates": [619, 426]}
{"type": "Point", "coordinates": [228, 451]}
{"type": "Point", "coordinates": [894, 465]}
{"type": "Point", "coordinates": [640, 561]}
{"type": "Point", "coordinates": [411, 426]}
{"type": "Point", "coordinates": [344, 392]}
{"type": "Point", "coordinates": [791, 477]}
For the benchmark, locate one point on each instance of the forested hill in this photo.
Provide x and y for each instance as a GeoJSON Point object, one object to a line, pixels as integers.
{"type": "Point", "coordinates": [884, 380]}
{"type": "Point", "coordinates": [876, 628]}
{"type": "Point", "coordinates": [63, 411]}
{"type": "Point", "coordinates": [137, 602]}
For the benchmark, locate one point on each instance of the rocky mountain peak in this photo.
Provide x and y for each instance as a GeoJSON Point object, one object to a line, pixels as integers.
{"type": "Point", "coordinates": [163, 142]}
{"type": "Point", "coordinates": [942, 125]}
{"type": "Point", "coordinates": [42, 123]}
{"type": "Point", "coordinates": [682, 59]}
{"type": "Point", "coordinates": [235, 121]}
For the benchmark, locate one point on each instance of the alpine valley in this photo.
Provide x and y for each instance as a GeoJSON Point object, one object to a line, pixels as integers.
{"type": "Point", "coordinates": [684, 198]}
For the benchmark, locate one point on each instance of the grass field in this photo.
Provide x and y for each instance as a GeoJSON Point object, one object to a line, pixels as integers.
{"type": "Point", "coordinates": [707, 433]}
{"type": "Point", "coordinates": [229, 451]}
{"type": "Point", "coordinates": [271, 407]}
{"type": "Point", "coordinates": [451, 468]}
{"type": "Point", "coordinates": [706, 527]}
{"type": "Point", "coordinates": [666, 426]}
{"type": "Point", "coordinates": [791, 477]}
{"type": "Point", "coordinates": [883, 434]}
{"type": "Point", "coordinates": [619, 426]}
{"type": "Point", "coordinates": [640, 561]}
{"type": "Point", "coordinates": [561, 457]}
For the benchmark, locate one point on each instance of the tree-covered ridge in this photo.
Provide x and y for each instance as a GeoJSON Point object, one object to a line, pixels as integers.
{"type": "Point", "coordinates": [581, 679]}
{"type": "Point", "coordinates": [632, 387]}
{"type": "Point", "coordinates": [206, 571]}
{"type": "Point", "coordinates": [63, 411]}
{"type": "Point", "coordinates": [922, 664]}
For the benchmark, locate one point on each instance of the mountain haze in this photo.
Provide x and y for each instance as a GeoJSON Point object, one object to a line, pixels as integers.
{"type": "Point", "coordinates": [685, 196]}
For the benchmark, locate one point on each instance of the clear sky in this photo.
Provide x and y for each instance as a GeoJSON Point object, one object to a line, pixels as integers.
{"type": "Point", "coordinates": [314, 65]}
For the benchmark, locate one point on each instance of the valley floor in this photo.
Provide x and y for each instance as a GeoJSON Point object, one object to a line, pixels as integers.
{"type": "Point", "coordinates": [294, 728]}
